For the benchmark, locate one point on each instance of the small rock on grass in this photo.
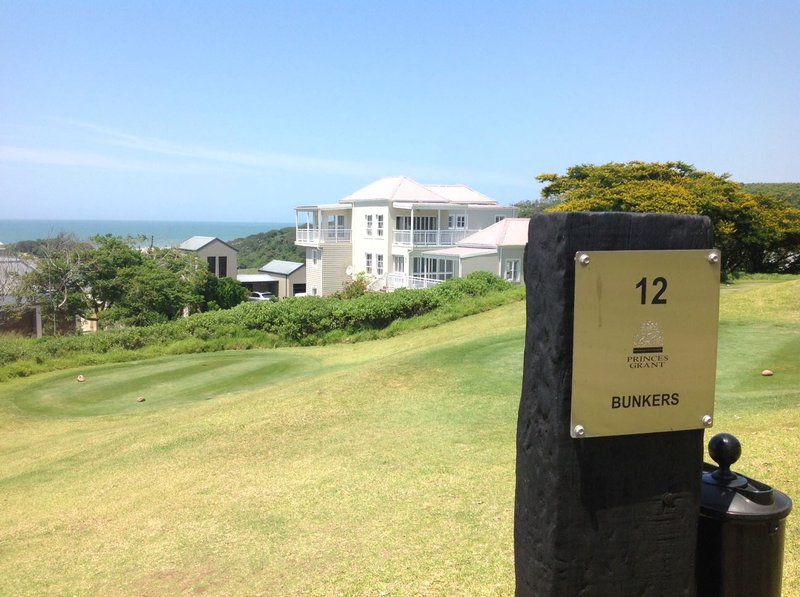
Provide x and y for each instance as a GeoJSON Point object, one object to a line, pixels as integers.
{"type": "Point", "coordinates": [81, 378]}
{"type": "Point", "coordinates": [767, 372]}
{"type": "Point", "coordinates": [140, 399]}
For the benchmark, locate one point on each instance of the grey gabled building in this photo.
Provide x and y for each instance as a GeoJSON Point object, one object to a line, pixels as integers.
{"type": "Point", "coordinates": [222, 258]}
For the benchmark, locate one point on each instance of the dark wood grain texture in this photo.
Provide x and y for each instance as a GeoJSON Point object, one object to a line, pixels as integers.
{"type": "Point", "coordinates": [601, 516]}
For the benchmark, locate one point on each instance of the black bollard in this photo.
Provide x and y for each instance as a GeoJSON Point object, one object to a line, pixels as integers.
{"type": "Point", "coordinates": [597, 516]}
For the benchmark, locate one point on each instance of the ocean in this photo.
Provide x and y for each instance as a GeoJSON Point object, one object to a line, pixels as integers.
{"type": "Point", "coordinates": [164, 233]}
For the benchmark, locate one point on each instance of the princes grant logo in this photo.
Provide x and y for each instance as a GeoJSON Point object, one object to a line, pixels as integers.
{"type": "Point", "coordinates": [649, 339]}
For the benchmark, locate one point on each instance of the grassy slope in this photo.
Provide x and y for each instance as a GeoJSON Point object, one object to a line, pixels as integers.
{"type": "Point", "coordinates": [380, 466]}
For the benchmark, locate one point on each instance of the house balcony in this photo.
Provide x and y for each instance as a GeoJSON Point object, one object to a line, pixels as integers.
{"type": "Point", "coordinates": [395, 281]}
{"type": "Point", "coordinates": [312, 237]}
{"type": "Point", "coordinates": [429, 238]}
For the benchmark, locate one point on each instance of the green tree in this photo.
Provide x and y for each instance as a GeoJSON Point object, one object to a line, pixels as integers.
{"type": "Point", "coordinates": [153, 294]}
{"type": "Point", "coordinates": [113, 282]}
{"type": "Point", "coordinates": [785, 190]}
{"type": "Point", "coordinates": [223, 293]}
{"type": "Point", "coordinates": [755, 232]}
{"type": "Point", "coordinates": [258, 249]}
{"type": "Point", "coordinates": [525, 209]}
{"type": "Point", "coordinates": [100, 273]}
{"type": "Point", "coordinates": [56, 282]}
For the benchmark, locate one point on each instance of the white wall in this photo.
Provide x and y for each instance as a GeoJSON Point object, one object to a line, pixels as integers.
{"type": "Point", "coordinates": [480, 263]}
{"type": "Point", "coordinates": [512, 253]}
{"type": "Point", "coordinates": [480, 218]}
{"type": "Point", "coordinates": [363, 244]}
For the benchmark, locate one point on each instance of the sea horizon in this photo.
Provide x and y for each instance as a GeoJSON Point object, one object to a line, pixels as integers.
{"type": "Point", "coordinates": [161, 233]}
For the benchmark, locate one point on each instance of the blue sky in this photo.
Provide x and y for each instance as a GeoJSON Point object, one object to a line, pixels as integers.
{"type": "Point", "coordinates": [239, 111]}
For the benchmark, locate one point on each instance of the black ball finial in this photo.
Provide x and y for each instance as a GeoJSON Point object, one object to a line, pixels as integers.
{"type": "Point", "coordinates": [724, 449]}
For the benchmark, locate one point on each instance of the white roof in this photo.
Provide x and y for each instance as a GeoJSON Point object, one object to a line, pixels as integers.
{"type": "Point", "coordinates": [255, 278]}
{"type": "Point", "coordinates": [277, 266]}
{"type": "Point", "coordinates": [450, 206]}
{"type": "Point", "coordinates": [460, 252]}
{"type": "Point", "coordinates": [323, 207]}
{"type": "Point", "coordinates": [509, 232]}
{"type": "Point", "coordinates": [394, 188]}
{"type": "Point", "coordinates": [460, 193]}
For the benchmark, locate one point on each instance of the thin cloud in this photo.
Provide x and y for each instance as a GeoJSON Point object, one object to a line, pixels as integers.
{"type": "Point", "coordinates": [292, 162]}
{"type": "Point", "coordinates": [56, 157]}
{"type": "Point", "coordinates": [83, 159]}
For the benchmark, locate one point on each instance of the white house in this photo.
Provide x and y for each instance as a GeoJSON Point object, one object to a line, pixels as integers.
{"type": "Point", "coordinates": [498, 249]}
{"type": "Point", "coordinates": [385, 229]}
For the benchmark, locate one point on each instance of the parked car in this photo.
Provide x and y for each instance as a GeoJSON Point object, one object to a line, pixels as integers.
{"type": "Point", "coordinates": [261, 296]}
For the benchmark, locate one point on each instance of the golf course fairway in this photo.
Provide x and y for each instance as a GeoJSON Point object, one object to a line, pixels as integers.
{"type": "Point", "coordinates": [376, 467]}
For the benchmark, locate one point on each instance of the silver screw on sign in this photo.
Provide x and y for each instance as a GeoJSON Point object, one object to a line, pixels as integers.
{"type": "Point", "coordinates": [713, 257]}
{"type": "Point", "coordinates": [579, 430]}
{"type": "Point", "coordinates": [707, 420]}
{"type": "Point", "coordinates": [584, 259]}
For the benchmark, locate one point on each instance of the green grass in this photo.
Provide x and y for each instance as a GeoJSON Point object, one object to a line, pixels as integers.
{"type": "Point", "coordinates": [382, 466]}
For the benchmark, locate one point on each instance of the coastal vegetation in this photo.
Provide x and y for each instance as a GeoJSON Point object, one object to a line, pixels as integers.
{"type": "Point", "coordinates": [110, 280]}
{"type": "Point", "coordinates": [372, 467]}
{"type": "Point", "coordinates": [790, 191]}
{"type": "Point", "coordinates": [756, 230]}
{"type": "Point", "coordinates": [259, 249]}
{"type": "Point", "coordinates": [294, 321]}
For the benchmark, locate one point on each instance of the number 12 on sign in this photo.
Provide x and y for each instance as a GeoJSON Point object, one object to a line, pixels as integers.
{"type": "Point", "coordinates": [660, 283]}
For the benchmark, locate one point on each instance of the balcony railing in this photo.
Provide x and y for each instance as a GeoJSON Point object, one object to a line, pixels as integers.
{"type": "Point", "coordinates": [430, 238]}
{"type": "Point", "coordinates": [324, 235]}
{"type": "Point", "coordinates": [394, 281]}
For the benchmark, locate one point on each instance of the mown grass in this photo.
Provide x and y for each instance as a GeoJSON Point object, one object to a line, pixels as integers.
{"type": "Point", "coordinates": [366, 468]}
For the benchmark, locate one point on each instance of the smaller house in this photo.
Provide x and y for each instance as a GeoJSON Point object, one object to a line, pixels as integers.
{"type": "Point", "coordinates": [222, 258]}
{"type": "Point", "coordinates": [16, 319]}
{"type": "Point", "coordinates": [259, 282]}
{"type": "Point", "coordinates": [291, 277]}
{"type": "Point", "coordinates": [498, 248]}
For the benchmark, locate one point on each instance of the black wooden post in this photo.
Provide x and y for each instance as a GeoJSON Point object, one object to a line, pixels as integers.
{"type": "Point", "coordinates": [599, 516]}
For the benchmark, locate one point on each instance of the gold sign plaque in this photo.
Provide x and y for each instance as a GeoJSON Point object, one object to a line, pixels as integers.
{"type": "Point", "coordinates": [645, 341]}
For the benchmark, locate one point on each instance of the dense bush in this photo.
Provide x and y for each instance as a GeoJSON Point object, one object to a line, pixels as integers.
{"type": "Point", "coordinates": [290, 321]}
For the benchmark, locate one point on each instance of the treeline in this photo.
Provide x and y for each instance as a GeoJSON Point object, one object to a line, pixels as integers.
{"type": "Point", "coordinates": [110, 280]}
{"type": "Point", "coordinates": [293, 321]}
{"type": "Point", "coordinates": [756, 226]}
{"type": "Point", "coordinates": [259, 249]}
{"type": "Point", "coordinates": [790, 191]}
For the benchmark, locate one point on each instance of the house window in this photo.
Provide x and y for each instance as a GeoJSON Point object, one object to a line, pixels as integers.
{"type": "Point", "coordinates": [512, 270]}
{"type": "Point", "coordinates": [368, 218]}
{"type": "Point", "coordinates": [456, 222]}
{"type": "Point", "coordinates": [379, 264]}
{"type": "Point", "coordinates": [380, 224]}
{"type": "Point", "coordinates": [432, 268]}
{"type": "Point", "coordinates": [499, 218]}
{"type": "Point", "coordinates": [425, 223]}
{"type": "Point", "coordinates": [399, 264]}
{"type": "Point", "coordinates": [368, 262]}
{"type": "Point", "coordinates": [212, 264]}
{"type": "Point", "coordinates": [315, 255]}
{"type": "Point", "coordinates": [223, 266]}
{"type": "Point", "coordinates": [420, 223]}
